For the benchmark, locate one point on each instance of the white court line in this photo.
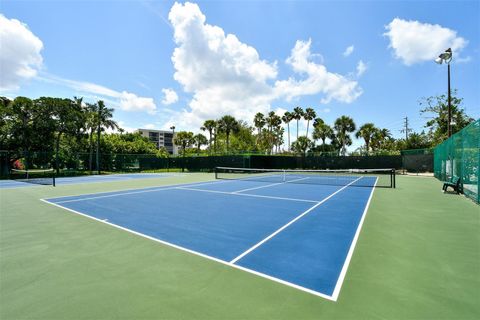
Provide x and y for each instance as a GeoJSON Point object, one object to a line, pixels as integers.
{"type": "Point", "coordinates": [246, 194]}
{"type": "Point", "coordinates": [313, 292]}
{"type": "Point", "coordinates": [269, 185]}
{"type": "Point", "coordinates": [341, 277]}
{"type": "Point", "coordinates": [116, 195]}
{"type": "Point", "coordinates": [140, 190]}
{"type": "Point", "coordinates": [289, 223]}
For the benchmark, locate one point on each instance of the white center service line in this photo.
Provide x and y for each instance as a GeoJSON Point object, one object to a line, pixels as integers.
{"type": "Point", "coordinates": [289, 223]}
{"type": "Point", "coordinates": [247, 195]}
{"type": "Point", "coordinates": [270, 185]}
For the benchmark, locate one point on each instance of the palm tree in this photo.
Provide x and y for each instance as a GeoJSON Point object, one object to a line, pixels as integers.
{"type": "Point", "coordinates": [297, 115]}
{"type": "Point", "coordinates": [343, 126]}
{"type": "Point", "coordinates": [184, 139]}
{"type": "Point", "coordinates": [228, 124]}
{"type": "Point", "coordinates": [301, 145]}
{"type": "Point", "coordinates": [273, 121]}
{"type": "Point", "coordinates": [322, 131]}
{"type": "Point", "coordinates": [367, 132]}
{"type": "Point", "coordinates": [380, 137]}
{"type": "Point", "coordinates": [309, 115]}
{"type": "Point", "coordinates": [91, 124]}
{"type": "Point", "coordinates": [287, 117]}
{"type": "Point", "coordinates": [104, 121]}
{"type": "Point", "coordinates": [199, 140]}
{"type": "Point", "coordinates": [209, 125]}
{"type": "Point", "coordinates": [259, 122]}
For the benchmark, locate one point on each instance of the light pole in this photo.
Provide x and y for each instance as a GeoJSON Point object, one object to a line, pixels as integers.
{"type": "Point", "coordinates": [173, 136]}
{"type": "Point", "coordinates": [447, 58]}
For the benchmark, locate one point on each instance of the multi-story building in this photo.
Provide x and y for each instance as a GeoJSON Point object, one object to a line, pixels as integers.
{"type": "Point", "coordinates": [161, 138]}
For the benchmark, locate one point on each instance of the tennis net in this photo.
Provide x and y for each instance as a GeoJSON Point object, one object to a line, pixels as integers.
{"type": "Point", "coordinates": [354, 177]}
{"type": "Point", "coordinates": [37, 176]}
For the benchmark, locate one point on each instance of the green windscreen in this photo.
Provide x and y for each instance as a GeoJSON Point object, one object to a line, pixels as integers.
{"type": "Point", "coordinates": [460, 156]}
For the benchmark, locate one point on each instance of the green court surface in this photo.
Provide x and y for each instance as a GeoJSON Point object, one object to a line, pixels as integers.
{"type": "Point", "coordinates": [417, 257]}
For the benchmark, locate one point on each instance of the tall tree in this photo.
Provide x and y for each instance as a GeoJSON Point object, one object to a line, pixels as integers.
{"type": "Point", "coordinates": [184, 139]}
{"type": "Point", "coordinates": [228, 124]}
{"type": "Point", "coordinates": [259, 122]}
{"type": "Point", "coordinates": [209, 125]}
{"type": "Point", "coordinates": [437, 106]}
{"type": "Point", "coordinates": [287, 117]}
{"type": "Point", "coordinates": [309, 115]}
{"type": "Point", "coordinates": [322, 131]}
{"type": "Point", "coordinates": [367, 132]}
{"type": "Point", "coordinates": [302, 145]}
{"type": "Point", "coordinates": [104, 121]}
{"type": "Point", "coordinates": [199, 140]}
{"type": "Point", "coordinates": [273, 121]}
{"type": "Point", "coordinates": [343, 126]}
{"type": "Point", "coordinates": [297, 115]}
{"type": "Point", "coordinates": [380, 138]}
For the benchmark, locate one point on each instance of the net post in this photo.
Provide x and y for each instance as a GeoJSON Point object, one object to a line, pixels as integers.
{"type": "Point", "coordinates": [53, 177]}
{"type": "Point", "coordinates": [284, 176]}
{"type": "Point", "coordinates": [393, 178]}
{"type": "Point", "coordinates": [216, 172]}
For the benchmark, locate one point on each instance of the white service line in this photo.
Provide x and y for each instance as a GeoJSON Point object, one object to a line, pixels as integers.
{"type": "Point", "coordinates": [246, 195]}
{"type": "Point", "coordinates": [289, 223]}
{"type": "Point", "coordinates": [270, 185]}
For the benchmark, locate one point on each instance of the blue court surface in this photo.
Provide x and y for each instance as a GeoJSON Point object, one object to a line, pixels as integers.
{"type": "Point", "coordinates": [301, 235]}
{"type": "Point", "coordinates": [6, 184]}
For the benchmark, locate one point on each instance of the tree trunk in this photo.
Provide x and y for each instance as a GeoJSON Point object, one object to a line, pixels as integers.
{"type": "Point", "coordinates": [288, 128]}
{"type": "Point", "coordinates": [98, 149]}
{"type": "Point", "coordinates": [90, 158]}
{"type": "Point", "coordinates": [297, 130]}
{"type": "Point", "coordinates": [228, 140]}
{"type": "Point", "coordinates": [57, 148]}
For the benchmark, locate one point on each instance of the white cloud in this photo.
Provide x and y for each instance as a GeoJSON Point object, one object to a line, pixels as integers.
{"type": "Point", "coordinates": [226, 76]}
{"type": "Point", "coordinates": [348, 51]}
{"type": "Point", "coordinates": [414, 41]}
{"type": "Point", "coordinates": [361, 68]}
{"type": "Point", "coordinates": [149, 126]}
{"type": "Point", "coordinates": [124, 100]}
{"type": "Point", "coordinates": [318, 80]}
{"type": "Point", "coordinates": [170, 96]}
{"type": "Point", "coordinates": [20, 57]}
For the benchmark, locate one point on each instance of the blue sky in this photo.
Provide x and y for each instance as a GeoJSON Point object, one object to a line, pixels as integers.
{"type": "Point", "coordinates": [160, 63]}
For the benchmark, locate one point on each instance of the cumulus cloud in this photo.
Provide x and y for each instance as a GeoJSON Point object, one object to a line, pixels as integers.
{"type": "Point", "coordinates": [361, 68]}
{"type": "Point", "coordinates": [149, 126]}
{"type": "Point", "coordinates": [413, 41]}
{"type": "Point", "coordinates": [124, 100]}
{"type": "Point", "coordinates": [318, 79]}
{"type": "Point", "coordinates": [20, 59]}
{"type": "Point", "coordinates": [169, 96]}
{"type": "Point", "coordinates": [348, 51]}
{"type": "Point", "coordinates": [227, 76]}
{"type": "Point", "coordinates": [224, 75]}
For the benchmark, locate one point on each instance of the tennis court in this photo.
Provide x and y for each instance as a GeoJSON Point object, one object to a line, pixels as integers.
{"type": "Point", "coordinates": [192, 247]}
{"type": "Point", "coordinates": [299, 233]}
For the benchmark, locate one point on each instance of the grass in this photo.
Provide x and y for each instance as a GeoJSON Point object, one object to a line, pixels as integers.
{"type": "Point", "coordinates": [418, 257]}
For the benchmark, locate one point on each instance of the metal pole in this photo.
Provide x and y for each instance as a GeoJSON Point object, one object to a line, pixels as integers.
{"type": "Point", "coordinates": [449, 105]}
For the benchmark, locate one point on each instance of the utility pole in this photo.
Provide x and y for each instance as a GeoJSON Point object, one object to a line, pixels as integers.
{"type": "Point", "coordinates": [406, 129]}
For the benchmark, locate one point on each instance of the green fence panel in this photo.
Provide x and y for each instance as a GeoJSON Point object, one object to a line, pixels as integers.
{"type": "Point", "coordinates": [459, 156]}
